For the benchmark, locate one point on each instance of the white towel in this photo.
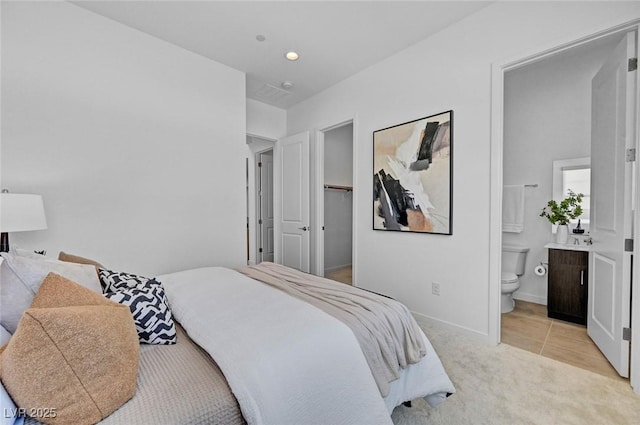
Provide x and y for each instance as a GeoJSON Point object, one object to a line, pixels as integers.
{"type": "Point", "coordinates": [513, 209]}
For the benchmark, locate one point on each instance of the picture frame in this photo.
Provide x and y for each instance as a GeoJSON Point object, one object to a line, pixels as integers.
{"type": "Point", "coordinates": [413, 176]}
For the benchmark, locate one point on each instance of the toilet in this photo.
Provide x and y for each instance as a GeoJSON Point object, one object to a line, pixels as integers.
{"type": "Point", "coordinates": [513, 261]}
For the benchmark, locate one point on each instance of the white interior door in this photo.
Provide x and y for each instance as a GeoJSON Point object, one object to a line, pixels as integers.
{"type": "Point", "coordinates": [292, 202]}
{"type": "Point", "coordinates": [612, 133]}
{"type": "Point", "coordinates": [266, 206]}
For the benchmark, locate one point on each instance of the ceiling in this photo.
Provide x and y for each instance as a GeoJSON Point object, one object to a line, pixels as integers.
{"type": "Point", "coordinates": [335, 39]}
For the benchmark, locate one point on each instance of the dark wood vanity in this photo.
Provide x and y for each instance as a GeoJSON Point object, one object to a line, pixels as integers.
{"type": "Point", "coordinates": [568, 285]}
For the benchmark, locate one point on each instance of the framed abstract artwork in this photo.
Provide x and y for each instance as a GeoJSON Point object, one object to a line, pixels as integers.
{"type": "Point", "coordinates": [413, 174]}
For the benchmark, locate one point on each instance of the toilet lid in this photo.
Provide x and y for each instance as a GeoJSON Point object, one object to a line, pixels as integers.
{"type": "Point", "coordinates": [508, 277]}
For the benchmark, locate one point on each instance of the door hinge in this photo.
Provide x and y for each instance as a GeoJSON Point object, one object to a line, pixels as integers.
{"type": "Point", "coordinates": [259, 164]}
{"type": "Point", "coordinates": [260, 221]}
{"type": "Point", "coordinates": [260, 250]}
{"type": "Point", "coordinates": [626, 334]}
{"type": "Point", "coordinates": [631, 155]}
{"type": "Point", "coordinates": [633, 64]}
{"type": "Point", "coordinates": [628, 245]}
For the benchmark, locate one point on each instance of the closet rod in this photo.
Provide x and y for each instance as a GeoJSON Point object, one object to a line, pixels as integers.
{"type": "Point", "coordinates": [531, 185]}
{"type": "Point", "coordinates": [336, 187]}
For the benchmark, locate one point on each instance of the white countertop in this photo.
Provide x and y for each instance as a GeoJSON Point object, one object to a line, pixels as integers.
{"type": "Point", "coordinates": [569, 246]}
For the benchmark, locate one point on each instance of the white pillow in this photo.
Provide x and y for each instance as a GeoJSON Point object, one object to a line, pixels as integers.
{"type": "Point", "coordinates": [5, 336]}
{"type": "Point", "coordinates": [29, 254]}
{"type": "Point", "coordinates": [7, 406]}
{"type": "Point", "coordinates": [20, 279]}
{"type": "Point", "coordinates": [8, 410]}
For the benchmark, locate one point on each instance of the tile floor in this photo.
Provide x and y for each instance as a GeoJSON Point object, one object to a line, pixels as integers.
{"type": "Point", "coordinates": [528, 327]}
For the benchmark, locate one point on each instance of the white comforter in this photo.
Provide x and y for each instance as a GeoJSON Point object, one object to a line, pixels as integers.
{"type": "Point", "coordinates": [287, 362]}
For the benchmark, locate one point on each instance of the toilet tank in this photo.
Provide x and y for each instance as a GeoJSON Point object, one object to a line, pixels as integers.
{"type": "Point", "coordinates": [513, 258]}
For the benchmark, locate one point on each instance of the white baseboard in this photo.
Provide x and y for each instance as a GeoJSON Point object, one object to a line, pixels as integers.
{"type": "Point", "coordinates": [467, 332]}
{"type": "Point", "coordinates": [530, 298]}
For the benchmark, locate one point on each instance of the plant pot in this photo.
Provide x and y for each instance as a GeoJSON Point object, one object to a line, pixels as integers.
{"type": "Point", "coordinates": [562, 234]}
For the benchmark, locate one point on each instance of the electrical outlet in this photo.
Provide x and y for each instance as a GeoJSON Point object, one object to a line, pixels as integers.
{"type": "Point", "coordinates": [435, 288]}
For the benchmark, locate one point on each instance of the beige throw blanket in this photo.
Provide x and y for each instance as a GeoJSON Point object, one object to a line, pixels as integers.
{"type": "Point", "coordinates": [387, 333]}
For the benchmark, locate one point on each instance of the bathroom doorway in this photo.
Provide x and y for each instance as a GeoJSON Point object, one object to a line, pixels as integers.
{"type": "Point", "coordinates": [553, 91]}
{"type": "Point", "coordinates": [552, 126]}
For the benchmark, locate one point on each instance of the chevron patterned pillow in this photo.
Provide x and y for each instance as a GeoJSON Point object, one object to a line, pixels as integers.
{"type": "Point", "coordinates": [112, 281]}
{"type": "Point", "coordinates": [148, 304]}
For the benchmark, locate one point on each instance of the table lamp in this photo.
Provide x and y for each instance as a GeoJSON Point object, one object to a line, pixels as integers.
{"type": "Point", "coordinates": [19, 213]}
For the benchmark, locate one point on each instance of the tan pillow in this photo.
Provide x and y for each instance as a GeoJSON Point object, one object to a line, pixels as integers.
{"type": "Point", "coordinates": [70, 258]}
{"type": "Point", "coordinates": [80, 360]}
{"type": "Point", "coordinates": [58, 291]}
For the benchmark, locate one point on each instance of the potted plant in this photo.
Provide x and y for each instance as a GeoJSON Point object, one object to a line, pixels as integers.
{"type": "Point", "coordinates": [561, 213]}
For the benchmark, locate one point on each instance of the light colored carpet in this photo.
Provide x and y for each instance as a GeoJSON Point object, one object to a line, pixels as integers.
{"type": "Point", "coordinates": [505, 385]}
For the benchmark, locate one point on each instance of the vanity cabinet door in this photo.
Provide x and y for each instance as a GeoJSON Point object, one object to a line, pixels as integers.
{"type": "Point", "coordinates": [568, 285]}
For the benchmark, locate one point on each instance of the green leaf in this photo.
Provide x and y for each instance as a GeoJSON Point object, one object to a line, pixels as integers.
{"type": "Point", "coordinates": [569, 208]}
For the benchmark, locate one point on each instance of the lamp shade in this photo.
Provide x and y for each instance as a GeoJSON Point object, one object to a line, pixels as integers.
{"type": "Point", "coordinates": [21, 212]}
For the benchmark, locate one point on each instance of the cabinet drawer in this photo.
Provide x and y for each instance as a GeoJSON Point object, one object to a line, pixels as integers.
{"type": "Point", "coordinates": [566, 257]}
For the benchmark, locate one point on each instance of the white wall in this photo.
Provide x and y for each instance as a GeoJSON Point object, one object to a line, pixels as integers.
{"type": "Point", "coordinates": [338, 204]}
{"type": "Point", "coordinates": [265, 121]}
{"type": "Point", "coordinates": [137, 146]}
{"type": "Point", "coordinates": [547, 116]}
{"type": "Point", "coordinates": [338, 156]}
{"type": "Point", "coordinates": [450, 70]}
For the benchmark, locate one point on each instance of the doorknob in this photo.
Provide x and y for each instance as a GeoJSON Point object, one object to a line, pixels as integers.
{"type": "Point", "coordinates": [304, 229]}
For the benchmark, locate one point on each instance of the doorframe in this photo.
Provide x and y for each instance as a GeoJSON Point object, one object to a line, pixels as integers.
{"type": "Point", "coordinates": [257, 181]}
{"type": "Point", "coordinates": [255, 144]}
{"type": "Point", "coordinates": [318, 197]}
{"type": "Point", "coordinates": [498, 70]}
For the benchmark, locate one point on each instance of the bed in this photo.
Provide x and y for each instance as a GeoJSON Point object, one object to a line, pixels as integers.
{"type": "Point", "coordinates": [249, 352]}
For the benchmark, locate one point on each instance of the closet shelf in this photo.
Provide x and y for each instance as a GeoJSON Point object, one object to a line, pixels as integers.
{"type": "Point", "coordinates": [337, 187]}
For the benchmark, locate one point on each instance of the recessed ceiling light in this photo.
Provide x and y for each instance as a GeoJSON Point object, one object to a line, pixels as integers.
{"type": "Point", "coordinates": [287, 85]}
{"type": "Point", "coordinates": [260, 37]}
{"type": "Point", "coordinates": [292, 56]}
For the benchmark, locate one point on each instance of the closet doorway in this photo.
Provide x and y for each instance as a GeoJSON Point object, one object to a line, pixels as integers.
{"type": "Point", "coordinates": [336, 261]}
